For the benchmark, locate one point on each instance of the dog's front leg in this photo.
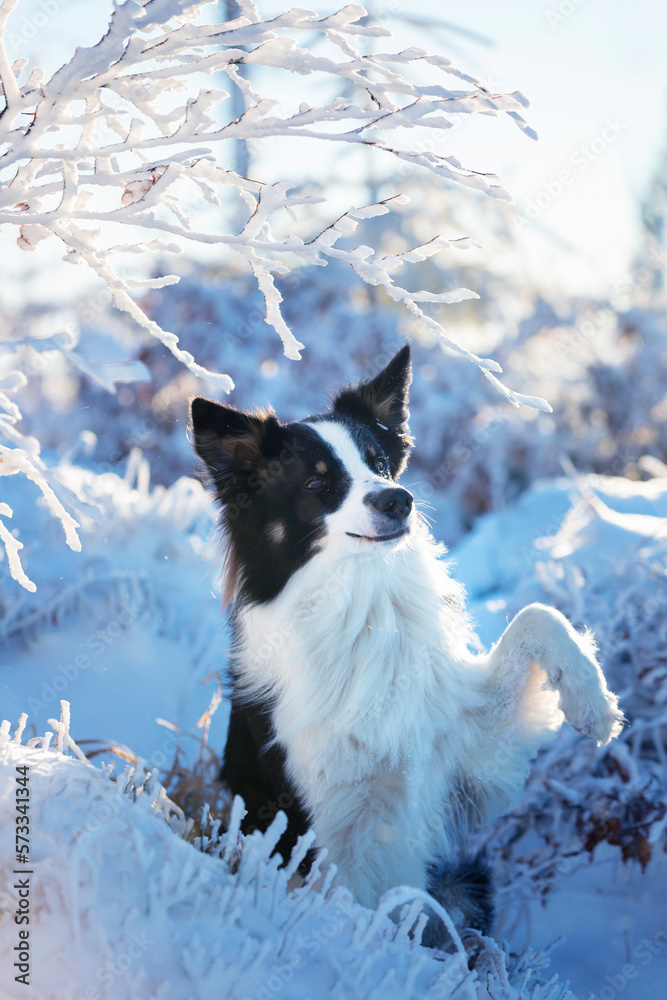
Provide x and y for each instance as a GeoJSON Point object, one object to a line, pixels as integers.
{"type": "Point", "coordinates": [543, 636]}
{"type": "Point", "coordinates": [373, 832]}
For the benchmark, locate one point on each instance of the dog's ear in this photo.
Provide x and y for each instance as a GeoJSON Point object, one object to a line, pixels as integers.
{"type": "Point", "coordinates": [227, 439]}
{"type": "Point", "coordinates": [385, 397]}
{"type": "Point", "coordinates": [382, 403]}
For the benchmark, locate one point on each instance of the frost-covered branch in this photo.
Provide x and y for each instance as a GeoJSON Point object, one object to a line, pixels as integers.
{"type": "Point", "coordinates": [141, 151]}
{"type": "Point", "coordinates": [25, 458]}
{"type": "Point", "coordinates": [123, 140]}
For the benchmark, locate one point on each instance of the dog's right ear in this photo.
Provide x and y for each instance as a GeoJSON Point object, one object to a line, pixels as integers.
{"type": "Point", "coordinates": [225, 438]}
{"type": "Point", "coordinates": [382, 403]}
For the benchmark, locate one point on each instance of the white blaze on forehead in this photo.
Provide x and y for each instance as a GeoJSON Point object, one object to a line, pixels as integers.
{"type": "Point", "coordinates": [353, 517]}
{"type": "Point", "coordinates": [343, 446]}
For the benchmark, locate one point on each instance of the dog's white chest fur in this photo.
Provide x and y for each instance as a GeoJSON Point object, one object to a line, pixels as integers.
{"type": "Point", "coordinates": [395, 733]}
{"type": "Point", "coordinates": [366, 660]}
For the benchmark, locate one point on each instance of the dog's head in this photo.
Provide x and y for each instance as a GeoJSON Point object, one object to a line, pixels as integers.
{"type": "Point", "coordinates": [329, 482]}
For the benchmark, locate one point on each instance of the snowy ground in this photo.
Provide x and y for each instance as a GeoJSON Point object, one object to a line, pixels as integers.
{"type": "Point", "coordinates": [121, 906]}
{"type": "Point", "coordinates": [131, 639]}
{"type": "Point", "coordinates": [605, 911]}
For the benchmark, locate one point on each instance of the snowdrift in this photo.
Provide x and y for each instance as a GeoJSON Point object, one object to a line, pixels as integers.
{"type": "Point", "coordinates": [116, 859]}
{"type": "Point", "coordinates": [123, 905]}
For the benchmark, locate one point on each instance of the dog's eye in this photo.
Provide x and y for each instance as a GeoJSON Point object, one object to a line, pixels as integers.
{"type": "Point", "coordinates": [314, 484]}
{"type": "Point", "coordinates": [380, 466]}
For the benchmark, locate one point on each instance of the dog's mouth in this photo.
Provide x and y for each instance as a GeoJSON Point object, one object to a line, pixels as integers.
{"type": "Point", "coordinates": [381, 538]}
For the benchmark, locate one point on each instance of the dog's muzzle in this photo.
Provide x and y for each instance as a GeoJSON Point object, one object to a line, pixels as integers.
{"type": "Point", "coordinates": [394, 503]}
{"type": "Point", "coordinates": [391, 509]}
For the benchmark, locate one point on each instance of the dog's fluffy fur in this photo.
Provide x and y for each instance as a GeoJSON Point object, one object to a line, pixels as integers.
{"type": "Point", "coordinates": [358, 707]}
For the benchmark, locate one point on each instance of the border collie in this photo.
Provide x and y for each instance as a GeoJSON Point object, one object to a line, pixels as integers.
{"type": "Point", "coordinates": [357, 706]}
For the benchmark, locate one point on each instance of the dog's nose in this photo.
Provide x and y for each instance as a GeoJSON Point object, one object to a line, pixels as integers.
{"type": "Point", "coordinates": [394, 502]}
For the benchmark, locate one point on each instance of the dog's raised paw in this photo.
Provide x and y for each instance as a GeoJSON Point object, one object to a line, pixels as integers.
{"type": "Point", "coordinates": [602, 727]}
{"type": "Point", "coordinates": [591, 709]}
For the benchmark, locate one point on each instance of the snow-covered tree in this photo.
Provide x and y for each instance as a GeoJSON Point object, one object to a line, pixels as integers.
{"type": "Point", "coordinates": [118, 154]}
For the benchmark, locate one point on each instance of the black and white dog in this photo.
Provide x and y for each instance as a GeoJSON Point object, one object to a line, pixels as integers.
{"type": "Point", "coordinates": [357, 705]}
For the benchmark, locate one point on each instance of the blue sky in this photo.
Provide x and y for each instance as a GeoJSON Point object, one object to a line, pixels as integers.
{"type": "Point", "coordinates": [595, 73]}
{"type": "Point", "coordinates": [583, 65]}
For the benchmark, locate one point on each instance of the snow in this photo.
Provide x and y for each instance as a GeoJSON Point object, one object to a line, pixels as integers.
{"type": "Point", "coordinates": [587, 545]}
{"type": "Point", "coordinates": [109, 145]}
{"type": "Point", "coordinates": [141, 604]}
{"type": "Point", "coordinates": [123, 906]}
{"type": "Point", "coordinates": [109, 600]}
{"type": "Point", "coordinates": [113, 878]}
{"type": "Point", "coordinates": [136, 159]}
{"type": "Point", "coordinates": [156, 609]}
{"type": "Point", "coordinates": [596, 524]}
{"type": "Point", "coordinates": [605, 916]}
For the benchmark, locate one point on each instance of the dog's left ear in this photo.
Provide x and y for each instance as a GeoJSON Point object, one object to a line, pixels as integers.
{"type": "Point", "coordinates": [382, 403]}
{"type": "Point", "coordinates": [228, 440]}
